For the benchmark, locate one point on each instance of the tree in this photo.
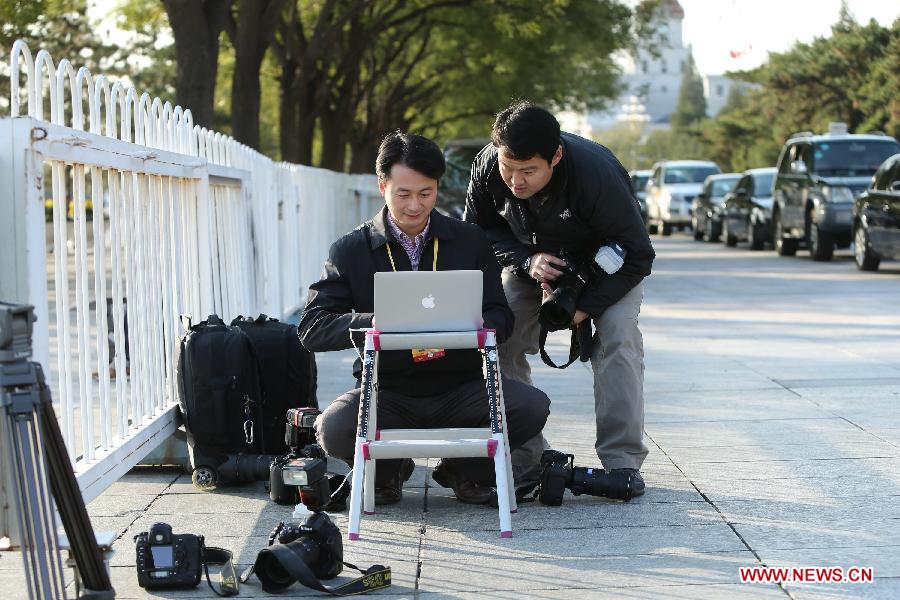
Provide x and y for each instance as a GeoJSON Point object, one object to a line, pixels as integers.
{"type": "Point", "coordinates": [691, 106]}
{"type": "Point", "coordinates": [196, 26]}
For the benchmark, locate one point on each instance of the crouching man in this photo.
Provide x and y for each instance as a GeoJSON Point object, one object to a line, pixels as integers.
{"type": "Point", "coordinates": [416, 390]}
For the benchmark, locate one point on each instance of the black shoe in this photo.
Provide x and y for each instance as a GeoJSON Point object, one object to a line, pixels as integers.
{"type": "Point", "coordinates": [637, 481]}
{"type": "Point", "coordinates": [467, 492]}
{"type": "Point", "coordinates": [392, 492]}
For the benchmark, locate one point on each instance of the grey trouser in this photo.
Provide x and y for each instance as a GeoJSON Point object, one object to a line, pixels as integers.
{"type": "Point", "coordinates": [618, 366]}
{"type": "Point", "coordinates": [466, 405]}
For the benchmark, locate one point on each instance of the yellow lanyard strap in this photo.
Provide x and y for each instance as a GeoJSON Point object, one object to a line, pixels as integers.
{"type": "Point", "coordinates": [433, 263]}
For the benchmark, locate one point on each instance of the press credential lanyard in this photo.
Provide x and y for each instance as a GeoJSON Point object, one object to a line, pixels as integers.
{"type": "Point", "coordinates": [421, 354]}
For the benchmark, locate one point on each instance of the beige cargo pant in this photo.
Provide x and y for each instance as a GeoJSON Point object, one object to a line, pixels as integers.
{"type": "Point", "coordinates": [618, 366]}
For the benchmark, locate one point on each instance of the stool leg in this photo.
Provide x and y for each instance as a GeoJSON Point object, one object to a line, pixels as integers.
{"type": "Point", "coordinates": [511, 484]}
{"type": "Point", "coordinates": [501, 456]}
{"type": "Point", "coordinates": [362, 435]}
{"type": "Point", "coordinates": [369, 483]}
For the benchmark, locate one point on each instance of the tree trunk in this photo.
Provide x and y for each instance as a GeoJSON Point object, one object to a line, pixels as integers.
{"type": "Point", "coordinates": [335, 135]}
{"type": "Point", "coordinates": [253, 34]}
{"type": "Point", "coordinates": [196, 26]}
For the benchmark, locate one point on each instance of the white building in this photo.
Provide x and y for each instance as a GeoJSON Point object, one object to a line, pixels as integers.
{"type": "Point", "coordinates": [654, 77]}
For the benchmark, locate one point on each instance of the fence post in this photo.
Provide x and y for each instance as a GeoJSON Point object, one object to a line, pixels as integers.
{"type": "Point", "coordinates": [23, 271]}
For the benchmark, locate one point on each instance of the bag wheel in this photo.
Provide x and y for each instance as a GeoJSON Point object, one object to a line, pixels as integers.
{"type": "Point", "coordinates": [205, 478]}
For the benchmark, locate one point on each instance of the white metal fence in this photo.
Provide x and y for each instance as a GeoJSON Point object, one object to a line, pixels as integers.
{"type": "Point", "coordinates": [147, 217]}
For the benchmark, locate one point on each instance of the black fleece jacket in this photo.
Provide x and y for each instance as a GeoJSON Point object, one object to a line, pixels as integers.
{"type": "Point", "coordinates": [587, 204]}
{"type": "Point", "coordinates": [344, 299]}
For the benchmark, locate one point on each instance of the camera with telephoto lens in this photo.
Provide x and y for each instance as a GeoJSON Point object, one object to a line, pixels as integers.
{"type": "Point", "coordinates": [558, 309]}
{"type": "Point", "coordinates": [165, 560]}
{"type": "Point", "coordinates": [301, 474]}
{"type": "Point", "coordinates": [316, 541]}
{"type": "Point", "coordinates": [560, 473]}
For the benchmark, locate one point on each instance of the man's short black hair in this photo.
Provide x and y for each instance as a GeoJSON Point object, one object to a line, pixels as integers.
{"type": "Point", "coordinates": [527, 131]}
{"type": "Point", "coordinates": [410, 150]}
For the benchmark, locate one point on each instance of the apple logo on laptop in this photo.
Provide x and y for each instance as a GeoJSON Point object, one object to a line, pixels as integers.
{"type": "Point", "coordinates": [428, 301]}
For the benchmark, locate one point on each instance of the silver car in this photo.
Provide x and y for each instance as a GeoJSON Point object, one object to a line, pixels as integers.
{"type": "Point", "coordinates": [671, 190]}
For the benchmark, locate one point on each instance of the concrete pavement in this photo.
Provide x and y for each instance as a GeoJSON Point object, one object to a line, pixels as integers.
{"type": "Point", "coordinates": [772, 391]}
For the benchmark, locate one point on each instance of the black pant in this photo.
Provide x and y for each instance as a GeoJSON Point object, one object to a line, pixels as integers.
{"type": "Point", "coordinates": [466, 405]}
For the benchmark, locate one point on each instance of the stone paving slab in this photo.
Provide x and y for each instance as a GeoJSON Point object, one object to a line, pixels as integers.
{"type": "Point", "coordinates": [773, 422]}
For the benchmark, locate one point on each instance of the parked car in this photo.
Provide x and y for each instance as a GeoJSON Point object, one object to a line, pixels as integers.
{"type": "Point", "coordinates": [747, 210]}
{"type": "Point", "coordinates": [876, 218]}
{"type": "Point", "coordinates": [459, 155]}
{"type": "Point", "coordinates": [705, 218]}
{"type": "Point", "coordinates": [671, 189]}
{"type": "Point", "coordinates": [819, 177]}
{"type": "Point", "coordinates": [639, 187]}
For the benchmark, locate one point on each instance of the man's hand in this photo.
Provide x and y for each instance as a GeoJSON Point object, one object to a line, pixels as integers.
{"type": "Point", "coordinates": [542, 267]}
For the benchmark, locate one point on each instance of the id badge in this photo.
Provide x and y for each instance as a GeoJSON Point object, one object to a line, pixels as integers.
{"type": "Point", "coordinates": [426, 354]}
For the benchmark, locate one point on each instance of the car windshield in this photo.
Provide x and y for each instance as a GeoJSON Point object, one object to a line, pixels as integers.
{"type": "Point", "coordinates": [689, 174]}
{"type": "Point", "coordinates": [459, 165]}
{"type": "Point", "coordinates": [851, 158]}
{"type": "Point", "coordinates": [762, 184]}
{"type": "Point", "coordinates": [720, 187]}
{"type": "Point", "coordinates": [639, 182]}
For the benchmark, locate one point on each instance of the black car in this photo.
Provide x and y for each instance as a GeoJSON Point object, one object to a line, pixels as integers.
{"type": "Point", "coordinates": [452, 188]}
{"type": "Point", "coordinates": [819, 177]}
{"type": "Point", "coordinates": [705, 218]}
{"type": "Point", "coordinates": [747, 210]}
{"type": "Point", "coordinates": [876, 218]}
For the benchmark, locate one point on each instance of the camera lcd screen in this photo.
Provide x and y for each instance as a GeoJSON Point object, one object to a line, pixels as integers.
{"type": "Point", "coordinates": [162, 556]}
{"type": "Point", "coordinates": [308, 421]}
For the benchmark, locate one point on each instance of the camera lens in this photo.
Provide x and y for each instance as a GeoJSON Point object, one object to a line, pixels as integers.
{"type": "Point", "coordinates": [558, 309]}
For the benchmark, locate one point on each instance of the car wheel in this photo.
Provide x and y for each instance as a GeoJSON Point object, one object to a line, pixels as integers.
{"type": "Point", "coordinates": [866, 259]}
{"type": "Point", "coordinates": [755, 236]}
{"type": "Point", "coordinates": [652, 228]}
{"type": "Point", "coordinates": [698, 231]}
{"type": "Point", "coordinates": [820, 243]}
{"type": "Point", "coordinates": [783, 246]}
{"type": "Point", "coordinates": [667, 229]}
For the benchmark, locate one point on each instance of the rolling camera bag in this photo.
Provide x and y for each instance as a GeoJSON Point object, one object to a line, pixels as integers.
{"type": "Point", "coordinates": [288, 374]}
{"type": "Point", "coordinates": [221, 397]}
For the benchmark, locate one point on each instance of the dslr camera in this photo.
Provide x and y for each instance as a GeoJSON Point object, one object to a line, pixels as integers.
{"type": "Point", "coordinates": [302, 473]}
{"type": "Point", "coordinates": [165, 560]}
{"type": "Point", "coordinates": [316, 541]}
{"type": "Point", "coordinates": [558, 310]}
{"type": "Point", "coordinates": [560, 473]}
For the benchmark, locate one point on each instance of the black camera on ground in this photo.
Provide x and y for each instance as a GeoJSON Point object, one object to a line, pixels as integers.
{"type": "Point", "coordinates": [560, 473]}
{"type": "Point", "coordinates": [301, 475]}
{"type": "Point", "coordinates": [316, 542]}
{"type": "Point", "coordinates": [165, 560]}
{"type": "Point", "coordinates": [558, 309]}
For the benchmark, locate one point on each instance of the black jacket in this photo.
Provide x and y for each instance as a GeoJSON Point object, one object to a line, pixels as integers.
{"type": "Point", "coordinates": [347, 285]}
{"type": "Point", "coordinates": [588, 203]}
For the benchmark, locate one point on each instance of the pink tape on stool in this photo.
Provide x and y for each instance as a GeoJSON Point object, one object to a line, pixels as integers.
{"type": "Point", "coordinates": [491, 448]}
{"type": "Point", "coordinates": [365, 451]}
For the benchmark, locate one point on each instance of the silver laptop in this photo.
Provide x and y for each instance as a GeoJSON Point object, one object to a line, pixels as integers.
{"type": "Point", "coordinates": [420, 301]}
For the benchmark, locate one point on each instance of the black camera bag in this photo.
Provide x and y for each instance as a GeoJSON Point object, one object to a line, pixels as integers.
{"type": "Point", "coordinates": [220, 394]}
{"type": "Point", "coordinates": [288, 374]}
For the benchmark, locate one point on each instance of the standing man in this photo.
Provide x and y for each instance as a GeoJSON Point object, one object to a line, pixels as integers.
{"type": "Point", "coordinates": [418, 388]}
{"type": "Point", "coordinates": [538, 193]}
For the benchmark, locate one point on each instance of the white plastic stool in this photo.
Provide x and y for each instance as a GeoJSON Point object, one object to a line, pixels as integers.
{"type": "Point", "coordinates": [372, 443]}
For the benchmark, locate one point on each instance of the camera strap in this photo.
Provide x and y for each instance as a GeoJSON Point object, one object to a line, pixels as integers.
{"type": "Point", "coordinates": [580, 345]}
{"type": "Point", "coordinates": [228, 581]}
{"type": "Point", "coordinates": [376, 577]}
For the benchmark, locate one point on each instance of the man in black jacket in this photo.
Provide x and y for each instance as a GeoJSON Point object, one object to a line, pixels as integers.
{"type": "Point", "coordinates": [538, 193]}
{"type": "Point", "coordinates": [416, 389]}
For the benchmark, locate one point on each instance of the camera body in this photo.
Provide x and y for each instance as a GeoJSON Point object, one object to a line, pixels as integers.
{"type": "Point", "coordinates": [166, 560]}
{"type": "Point", "coordinates": [316, 541]}
{"type": "Point", "coordinates": [301, 474]}
{"type": "Point", "coordinates": [560, 473]}
{"type": "Point", "coordinates": [558, 309]}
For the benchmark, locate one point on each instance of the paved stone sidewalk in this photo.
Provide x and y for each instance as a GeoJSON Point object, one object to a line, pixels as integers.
{"type": "Point", "coordinates": [772, 391]}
